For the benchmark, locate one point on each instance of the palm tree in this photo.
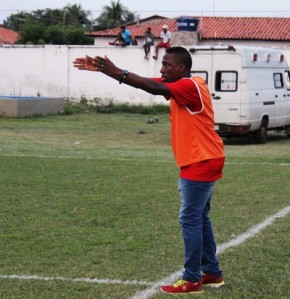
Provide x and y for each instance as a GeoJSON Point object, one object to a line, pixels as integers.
{"type": "Point", "coordinates": [75, 15]}
{"type": "Point", "coordinates": [115, 15]}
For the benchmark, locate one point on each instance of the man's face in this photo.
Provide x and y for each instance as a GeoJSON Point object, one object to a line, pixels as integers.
{"type": "Point", "coordinates": [171, 69]}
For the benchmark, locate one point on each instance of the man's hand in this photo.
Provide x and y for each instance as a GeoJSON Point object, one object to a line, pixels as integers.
{"type": "Point", "coordinates": [96, 64]}
{"type": "Point", "coordinates": [87, 63]}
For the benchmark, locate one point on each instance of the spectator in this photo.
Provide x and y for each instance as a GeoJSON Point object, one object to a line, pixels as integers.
{"type": "Point", "coordinates": [148, 41]}
{"type": "Point", "coordinates": [124, 38]}
{"type": "Point", "coordinates": [165, 36]}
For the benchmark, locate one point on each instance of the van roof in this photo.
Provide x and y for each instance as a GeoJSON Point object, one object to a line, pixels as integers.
{"type": "Point", "coordinates": [251, 56]}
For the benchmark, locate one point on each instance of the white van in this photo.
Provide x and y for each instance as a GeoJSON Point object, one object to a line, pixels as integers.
{"type": "Point", "coordinates": [250, 88]}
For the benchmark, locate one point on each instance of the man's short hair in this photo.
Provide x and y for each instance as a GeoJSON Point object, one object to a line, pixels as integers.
{"type": "Point", "coordinates": [182, 55]}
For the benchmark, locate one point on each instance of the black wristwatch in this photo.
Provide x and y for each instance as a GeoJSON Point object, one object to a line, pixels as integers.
{"type": "Point", "coordinates": [124, 76]}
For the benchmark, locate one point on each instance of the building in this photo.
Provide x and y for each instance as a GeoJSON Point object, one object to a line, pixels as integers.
{"type": "Point", "coordinates": [258, 31]}
{"type": "Point", "coordinates": [8, 37]}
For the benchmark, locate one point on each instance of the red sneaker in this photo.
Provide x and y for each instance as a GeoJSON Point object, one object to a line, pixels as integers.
{"type": "Point", "coordinates": [209, 280]}
{"type": "Point", "coordinates": [183, 287]}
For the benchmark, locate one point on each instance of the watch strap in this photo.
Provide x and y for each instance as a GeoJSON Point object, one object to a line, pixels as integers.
{"type": "Point", "coordinates": [124, 76]}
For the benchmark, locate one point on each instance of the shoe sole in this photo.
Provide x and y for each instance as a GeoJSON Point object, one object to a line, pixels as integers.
{"type": "Point", "coordinates": [176, 294]}
{"type": "Point", "coordinates": [214, 285]}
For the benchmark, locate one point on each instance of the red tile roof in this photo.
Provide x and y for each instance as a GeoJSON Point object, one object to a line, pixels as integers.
{"type": "Point", "coordinates": [245, 28]}
{"type": "Point", "coordinates": [242, 28]}
{"type": "Point", "coordinates": [8, 37]}
{"type": "Point", "coordinates": [139, 29]}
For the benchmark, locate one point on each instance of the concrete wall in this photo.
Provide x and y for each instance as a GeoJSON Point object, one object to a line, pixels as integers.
{"type": "Point", "coordinates": [178, 38]}
{"type": "Point", "coordinates": [30, 106]}
{"type": "Point", "coordinates": [48, 71]}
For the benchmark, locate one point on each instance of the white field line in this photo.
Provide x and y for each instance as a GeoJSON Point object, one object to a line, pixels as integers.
{"type": "Point", "coordinates": [134, 159]}
{"type": "Point", "coordinates": [153, 287]}
{"type": "Point", "coordinates": [168, 280]}
{"type": "Point", "coordinates": [220, 249]}
{"type": "Point", "coordinates": [85, 280]}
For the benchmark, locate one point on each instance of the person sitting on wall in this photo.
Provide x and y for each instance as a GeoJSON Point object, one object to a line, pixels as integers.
{"type": "Point", "coordinates": [148, 41]}
{"type": "Point", "coordinates": [165, 36]}
{"type": "Point", "coordinates": [124, 38]}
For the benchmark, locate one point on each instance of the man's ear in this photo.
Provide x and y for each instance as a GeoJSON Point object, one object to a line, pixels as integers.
{"type": "Point", "coordinates": [181, 67]}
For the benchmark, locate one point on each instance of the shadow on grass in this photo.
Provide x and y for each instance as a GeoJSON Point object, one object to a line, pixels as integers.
{"type": "Point", "coordinates": [249, 139]}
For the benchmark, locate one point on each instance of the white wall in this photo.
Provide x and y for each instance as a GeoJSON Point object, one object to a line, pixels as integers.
{"type": "Point", "coordinates": [48, 71]}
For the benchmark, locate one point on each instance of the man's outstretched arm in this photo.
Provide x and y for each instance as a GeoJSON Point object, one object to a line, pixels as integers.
{"type": "Point", "coordinates": [107, 67]}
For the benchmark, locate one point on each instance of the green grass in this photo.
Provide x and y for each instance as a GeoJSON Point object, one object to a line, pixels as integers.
{"type": "Point", "coordinates": [94, 195]}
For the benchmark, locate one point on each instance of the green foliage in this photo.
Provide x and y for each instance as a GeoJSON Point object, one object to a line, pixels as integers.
{"type": "Point", "coordinates": [65, 26]}
{"type": "Point", "coordinates": [53, 26]}
{"type": "Point", "coordinates": [41, 42]}
{"type": "Point", "coordinates": [76, 36]}
{"type": "Point", "coordinates": [115, 15]}
{"type": "Point", "coordinates": [32, 32]}
{"type": "Point", "coordinates": [108, 106]}
{"type": "Point", "coordinates": [15, 21]}
{"type": "Point", "coordinates": [74, 15]}
{"type": "Point", "coordinates": [55, 35]}
{"type": "Point", "coordinates": [48, 17]}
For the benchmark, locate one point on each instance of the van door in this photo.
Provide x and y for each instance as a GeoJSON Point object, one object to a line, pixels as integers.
{"type": "Point", "coordinates": [201, 66]}
{"type": "Point", "coordinates": [227, 88]}
{"type": "Point", "coordinates": [282, 99]}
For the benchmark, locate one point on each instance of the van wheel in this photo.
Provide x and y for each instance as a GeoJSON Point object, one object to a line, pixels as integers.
{"type": "Point", "coordinates": [260, 135]}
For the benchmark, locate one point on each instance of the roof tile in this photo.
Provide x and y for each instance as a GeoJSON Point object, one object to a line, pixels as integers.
{"type": "Point", "coordinates": [244, 28]}
{"type": "Point", "coordinates": [8, 36]}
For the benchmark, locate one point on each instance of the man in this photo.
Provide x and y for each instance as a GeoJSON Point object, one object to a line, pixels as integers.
{"type": "Point", "coordinates": [198, 151]}
{"type": "Point", "coordinates": [148, 41]}
{"type": "Point", "coordinates": [124, 38]}
{"type": "Point", "coordinates": [165, 36]}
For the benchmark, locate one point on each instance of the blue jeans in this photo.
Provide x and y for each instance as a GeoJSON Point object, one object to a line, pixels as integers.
{"type": "Point", "coordinates": [197, 232]}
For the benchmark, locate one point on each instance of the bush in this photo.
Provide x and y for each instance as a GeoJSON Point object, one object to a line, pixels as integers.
{"type": "Point", "coordinates": [108, 106]}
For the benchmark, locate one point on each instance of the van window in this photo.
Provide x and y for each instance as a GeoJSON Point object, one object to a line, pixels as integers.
{"type": "Point", "coordinates": [226, 81]}
{"type": "Point", "coordinates": [287, 75]}
{"type": "Point", "coordinates": [278, 80]}
{"type": "Point", "coordinates": [202, 74]}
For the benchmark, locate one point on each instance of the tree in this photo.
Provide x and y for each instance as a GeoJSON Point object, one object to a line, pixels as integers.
{"type": "Point", "coordinates": [55, 35]}
{"type": "Point", "coordinates": [76, 36]}
{"type": "Point", "coordinates": [31, 33]}
{"type": "Point", "coordinates": [75, 16]}
{"type": "Point", "coordinates": [15, 21]}
{"type": "Point", "coordinates": [52, 26]}
{"type": "Point", "coordinates": [115, 15]}
{"type": "Point", "coordinates": [48, 17]}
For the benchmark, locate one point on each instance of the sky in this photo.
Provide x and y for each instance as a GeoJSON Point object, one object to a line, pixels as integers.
{"type": "Point", "coordinates": [166, 8]}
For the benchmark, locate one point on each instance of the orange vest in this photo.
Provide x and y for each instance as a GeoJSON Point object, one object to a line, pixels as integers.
{"type": "Point", "coordinates": [193, 136]}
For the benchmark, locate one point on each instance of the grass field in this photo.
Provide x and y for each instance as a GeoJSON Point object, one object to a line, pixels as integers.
{"type": "Point", "coordinates": [89, 204]}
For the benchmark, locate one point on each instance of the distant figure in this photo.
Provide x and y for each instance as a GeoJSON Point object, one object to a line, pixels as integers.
{"type": "Point", "coordinates": [124, 38]}
{"type": "Point", "coordinates": [148, 41]}
{"type": "Point", "coordinates": [165, 36]}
